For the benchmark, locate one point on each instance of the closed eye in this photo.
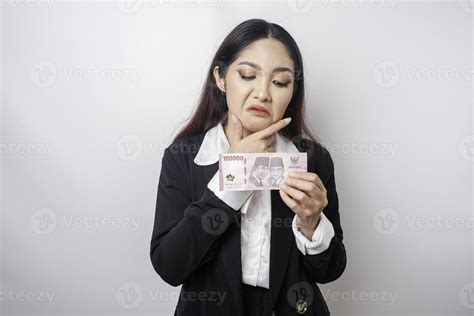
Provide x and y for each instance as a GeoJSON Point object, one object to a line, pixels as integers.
{"type": "Point", "coordinates": [281, 84]}
{"type": "Point", "coordinates": [277, 83]}
{"type": "Point", "coordinates": [247, 78]}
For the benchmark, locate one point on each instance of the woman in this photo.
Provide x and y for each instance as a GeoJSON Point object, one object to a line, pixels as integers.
{"type": "Point", "coordinates": [248, 252]}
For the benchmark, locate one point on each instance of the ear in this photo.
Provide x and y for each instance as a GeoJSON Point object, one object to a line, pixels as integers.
{"type": "Point", "coordinates": [220, 82]}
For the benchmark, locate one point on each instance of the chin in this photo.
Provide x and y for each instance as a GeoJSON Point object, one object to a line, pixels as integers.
{"type": "Point", "coordinates": [254, 123]}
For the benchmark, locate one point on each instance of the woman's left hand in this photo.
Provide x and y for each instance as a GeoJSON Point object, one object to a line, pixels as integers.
{"type": "Point", "coordinates": [305, 194]}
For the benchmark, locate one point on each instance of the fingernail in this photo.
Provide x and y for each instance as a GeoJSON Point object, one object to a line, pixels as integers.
{"type": "Point", "coordinates": [288, 119]}
{"type": "Point", "coordinates": [234, 119]}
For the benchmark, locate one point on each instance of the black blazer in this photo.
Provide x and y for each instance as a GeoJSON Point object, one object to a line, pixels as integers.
{"type": "Point", "coordinates": [196, 240]}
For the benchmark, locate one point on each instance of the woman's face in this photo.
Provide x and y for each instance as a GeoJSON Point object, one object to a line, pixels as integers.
{"type": "Point", "coordinates": [262, 75]}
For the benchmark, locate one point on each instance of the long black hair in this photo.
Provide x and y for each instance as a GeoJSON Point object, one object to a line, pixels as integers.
{"type": "Point", "coordinates": [212, 107]}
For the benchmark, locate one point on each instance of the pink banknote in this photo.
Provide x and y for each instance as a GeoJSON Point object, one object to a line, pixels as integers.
{"type": "Point", "coordinates": [257, 171]}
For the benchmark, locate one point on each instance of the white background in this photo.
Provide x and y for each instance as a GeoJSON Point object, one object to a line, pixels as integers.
{"type": "Point", "coordinates": [92, 92]}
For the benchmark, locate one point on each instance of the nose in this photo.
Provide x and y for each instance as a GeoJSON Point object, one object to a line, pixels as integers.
{"type": "Point", "coordinates": [262, 91]}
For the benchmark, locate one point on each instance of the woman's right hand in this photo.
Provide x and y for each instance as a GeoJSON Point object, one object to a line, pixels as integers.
{"type": "Point", "coordinates": [261, 141]}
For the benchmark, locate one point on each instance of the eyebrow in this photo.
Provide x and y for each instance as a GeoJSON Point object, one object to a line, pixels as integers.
{"type": "Point", "coordinates": [277, 69]}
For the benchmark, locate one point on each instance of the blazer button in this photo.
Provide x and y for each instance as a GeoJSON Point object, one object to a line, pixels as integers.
{"type": "Point", "coordinates": [301, 306]}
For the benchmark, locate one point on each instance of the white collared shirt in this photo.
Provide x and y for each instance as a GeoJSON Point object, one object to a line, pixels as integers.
{"type": "Point", "coordinates": [255, 208]}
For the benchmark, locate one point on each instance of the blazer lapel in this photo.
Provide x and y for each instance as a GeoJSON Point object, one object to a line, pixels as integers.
{"type": "Point", "coordinates": [281, 241]}
{"type": "Point", "coordinates": [231, 256]}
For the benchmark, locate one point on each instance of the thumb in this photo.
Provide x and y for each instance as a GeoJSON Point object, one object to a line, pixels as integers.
{"type": "Point", "coordinates": [237, 128]}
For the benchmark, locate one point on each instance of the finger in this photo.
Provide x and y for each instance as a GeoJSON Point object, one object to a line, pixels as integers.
{"type": "Point", "coordinates": [294, 206]}
{"type": "Point", "coordinates": [272, 129]}
{"type": "Point", "coordinates": [309, 187]}
{"type": "Point", "coordinates": [238, 132]}
{"type": "Point", "coordinates": [267, 144]}
{"type": "Point", "coordinates": [297, 195]}
{"type": "Point", "coordinates": [271, 141]}
{"type": "Point", "coordinates": [308, 176]}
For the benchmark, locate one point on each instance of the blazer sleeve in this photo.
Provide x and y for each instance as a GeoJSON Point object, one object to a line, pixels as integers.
{"type": "Point", "coordinates": [182, 238]}
{"type": "Point", "coordinates": [329, 265]}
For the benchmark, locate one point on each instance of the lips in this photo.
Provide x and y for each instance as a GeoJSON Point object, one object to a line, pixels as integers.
{"type": "Point", "coordinates": [258, 108]}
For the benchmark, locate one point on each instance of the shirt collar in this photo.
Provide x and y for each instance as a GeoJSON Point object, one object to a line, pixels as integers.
{"type": "Point", "coordinates": [215, 142]}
